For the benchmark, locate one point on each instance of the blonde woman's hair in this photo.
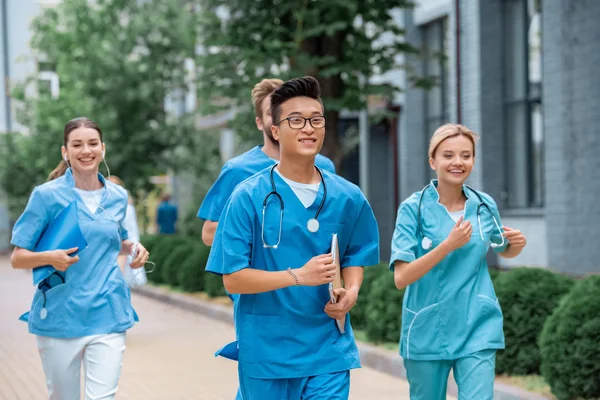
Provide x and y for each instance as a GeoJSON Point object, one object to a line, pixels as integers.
{"type": "Point", "coordinates": [447, 131]}
{"type": "Point", "coordinates": [261, 91]}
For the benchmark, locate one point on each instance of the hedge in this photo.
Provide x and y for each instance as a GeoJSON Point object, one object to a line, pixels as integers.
{"type": "Point", "coordinates": [527, 297]}
{"type": "Point", "coordinates": [173, 262]}
{"type": "Point", "coordinates": [191, 274]}
{"type": "Point", "coordinates": [569, 343]}
{"type": "Point", "coordinates": [160, 252]}
{"type": "Point", "coordinates": [384, 310]}
{"type": "Point", "coordinates": [358, 314]}
{"type": "Point", "coordinates": [213, 285]}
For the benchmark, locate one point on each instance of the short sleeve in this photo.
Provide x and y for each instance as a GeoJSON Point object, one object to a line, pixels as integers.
{"type": "Point", "coordinates": [30, 225]}
{"type": "Point", "coordinates": [363, 246]}
{"type": "Point", "coordinates": [216, 198]}
{"type": "Point", "coordinates": [497, 231]}
{"type": "Point", "coordinates": [236, 230]}
{"type": "Point", "coordinates": [404, 239]}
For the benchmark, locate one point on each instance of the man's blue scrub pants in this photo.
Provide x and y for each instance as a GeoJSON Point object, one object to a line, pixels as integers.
{"type": "Point", "coordinates": [335, 386]}
{"type": "Point", "coordinates": [474, 376]}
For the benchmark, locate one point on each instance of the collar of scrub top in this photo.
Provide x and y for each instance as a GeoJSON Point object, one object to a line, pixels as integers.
{"type": "Point", "coordinates": [312, 225]}
{"type": "Point", "coordinates": [71, 182]}
{"type": "Point", "coordinates": [426, 242]}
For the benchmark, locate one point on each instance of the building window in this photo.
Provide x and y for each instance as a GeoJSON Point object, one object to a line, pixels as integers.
{"type": "Point", "coordinates": [522, 103]}
{"type": "Point", "coordinates": [435, 67]}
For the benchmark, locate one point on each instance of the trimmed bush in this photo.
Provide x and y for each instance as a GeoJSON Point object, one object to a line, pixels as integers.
{"type": "Point", "coordinates": [358, 314]}
{"type": "Point", "coordinates": [384, 310]}
{"type": "Point", "coordinates": [191, 273]}
{"type": "Point", "coordinates": [149, 241]}
{"type": "Point", "coordinates": [160, 251]}
{"type": "Point", "coordinates": [213, 285]}
{"type": "Point", "coordinates": [570, 343]}
{"type": "Point", "coordinates": [527, 296]}
{"type": "Point", "coordinates": [173, 262]}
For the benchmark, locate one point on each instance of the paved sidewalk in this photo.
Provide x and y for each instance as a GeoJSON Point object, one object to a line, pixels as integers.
{"type": "Point", "coordinates": [169, 354]}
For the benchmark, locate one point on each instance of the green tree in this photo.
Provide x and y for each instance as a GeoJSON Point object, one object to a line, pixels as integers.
{"type": "Point", "coordinates": [117, 61]}
{"type": "Point", "coordinates": [340, 42]}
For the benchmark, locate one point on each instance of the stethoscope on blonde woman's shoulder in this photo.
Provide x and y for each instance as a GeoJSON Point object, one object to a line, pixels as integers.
{"type": "Point", "coordinates": [426, 242]}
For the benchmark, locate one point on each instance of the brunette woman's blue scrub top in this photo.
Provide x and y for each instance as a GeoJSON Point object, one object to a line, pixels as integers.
{"type": "Point", "coordinates": [95, 298]}
{"type": "Point", "coordinates": [285, 333]}
{"type": "Point", "coordinates": [452, 311]}
{"type": "Point", "coordinates": [237, 170]}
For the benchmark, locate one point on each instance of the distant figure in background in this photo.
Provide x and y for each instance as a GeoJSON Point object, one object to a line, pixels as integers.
{"type": "Point", "coordinates": [166, 216]}
{"type": "Point", "coordinates": [138, 277]}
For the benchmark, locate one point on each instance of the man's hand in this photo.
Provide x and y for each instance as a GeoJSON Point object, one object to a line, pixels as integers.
{"type": "Point", "coordinates": [346, 300]}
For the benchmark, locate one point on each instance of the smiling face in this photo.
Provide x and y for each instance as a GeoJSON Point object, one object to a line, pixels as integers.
{"type": "Point", "coordinates": [303, 142]}
{"type": "Point", "coordinates": [453, 160]}
{"type": "Point", "coordinates": [84, 150]}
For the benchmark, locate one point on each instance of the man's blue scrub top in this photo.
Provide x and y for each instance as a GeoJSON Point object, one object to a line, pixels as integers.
{"type": "Point", "coordinates": [237, 170]}
{"type": "Point", "coordinates": [452, 311]}
{"type": "Point", "coordinates": [285, 333]}
{"type": "Point", "coordinates": [95, 298]}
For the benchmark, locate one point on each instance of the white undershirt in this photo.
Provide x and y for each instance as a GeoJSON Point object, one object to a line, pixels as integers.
{"type": "Point", "coordinates": [91, 198]}
{"type": "Point", "coordinates": [456, 214]}
{"type": "Point", "coordinates": [306, 192]}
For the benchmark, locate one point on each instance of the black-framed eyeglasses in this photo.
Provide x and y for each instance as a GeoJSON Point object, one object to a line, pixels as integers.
{"type": "Point", "coordinates": [297, 122]}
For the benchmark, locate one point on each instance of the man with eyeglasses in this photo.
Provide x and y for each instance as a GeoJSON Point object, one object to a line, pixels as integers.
{"type": "Point", "coordinates": [247, 164]}
{"type": "Point", "coordinates": [272, 247]}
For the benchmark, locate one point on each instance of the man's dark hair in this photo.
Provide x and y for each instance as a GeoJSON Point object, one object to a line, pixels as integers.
{"type": "Point", "coordinates": [306, 86]}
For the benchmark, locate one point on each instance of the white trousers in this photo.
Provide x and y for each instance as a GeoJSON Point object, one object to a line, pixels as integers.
{"type": "Point", "coordinates": [102, 357]}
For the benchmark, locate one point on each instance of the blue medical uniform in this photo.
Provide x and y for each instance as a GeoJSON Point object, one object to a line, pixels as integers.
{"type": "Point", "coordinates": [237, 170]}
{"type": "Point", "coordinates": [95, 298]}
{"type": "Point", "coordinates": [451, 317]}
{"type": "Point", "coordinates": [233, 173]}
{"type": "Point", "coordinates": [285, 338]}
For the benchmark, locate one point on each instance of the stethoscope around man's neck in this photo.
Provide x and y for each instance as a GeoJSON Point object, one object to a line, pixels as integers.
{"type": "Point", "coordinates": [426, 242]}
{"type": "Point", "coordinates": [312, 224]}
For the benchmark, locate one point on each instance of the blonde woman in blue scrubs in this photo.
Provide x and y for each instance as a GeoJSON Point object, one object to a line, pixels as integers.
{"type": "Point", "coordinates": [451, 318]}
{"type": "Point", "coordinates": [82, 306]}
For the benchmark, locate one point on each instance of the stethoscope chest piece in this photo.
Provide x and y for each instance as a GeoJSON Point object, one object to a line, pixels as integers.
{"type": "Point", "coordinates": [312, 225]}
{"type": "Point", "coordinates": [43, 313]}
{"type": "Point", "coordinates": [426, 243]}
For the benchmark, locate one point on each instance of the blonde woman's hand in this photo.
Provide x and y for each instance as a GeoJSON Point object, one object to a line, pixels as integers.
{"type": "Point", "coordinates": [459, 235]}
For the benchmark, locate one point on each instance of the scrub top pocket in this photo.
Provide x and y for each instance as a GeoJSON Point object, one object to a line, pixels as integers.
{"type": "Point", "coordinates": [118, 297]}
{"type": "Point", "coordinates": [56, 302]}
{"type": "Point", "coordinates": [421, 330]}
{"type": "Point", "coordinates": [262, 338]}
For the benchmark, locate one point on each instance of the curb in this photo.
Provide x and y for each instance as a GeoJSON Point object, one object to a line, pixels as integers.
{"type": "Point", "coordinates": [371, 356]}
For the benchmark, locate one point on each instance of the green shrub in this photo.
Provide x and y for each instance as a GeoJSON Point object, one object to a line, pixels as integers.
{"type": "Point", "coordinates": [358, 314]}
{"type": "Point", "coordinates": [569, 343]}
{"type": "Point", "coordinates": [191, 273]}
{"type": "Point", "coordinates": [160, 251]}
{"type": "Point", "coordinates": [527, 297]}
{"type": "Point", "coordinates": [213, 285]}
{"type": "Point", "coordinates": [384, 310]}
{"type": "Point", "coordinates": [149, 241]}
{"type": "Point", "coordinates": [173, 262]}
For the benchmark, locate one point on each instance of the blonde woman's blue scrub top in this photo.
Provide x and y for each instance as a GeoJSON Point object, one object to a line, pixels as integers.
{"type": "Point", "coordinates": [452, 311]}
{"type": "Point", "coordinates": [285, 333]}
{"type": "Point", "coordinates": [237, 170]}
{"type": "Point", "coordinates": [95, 298]}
